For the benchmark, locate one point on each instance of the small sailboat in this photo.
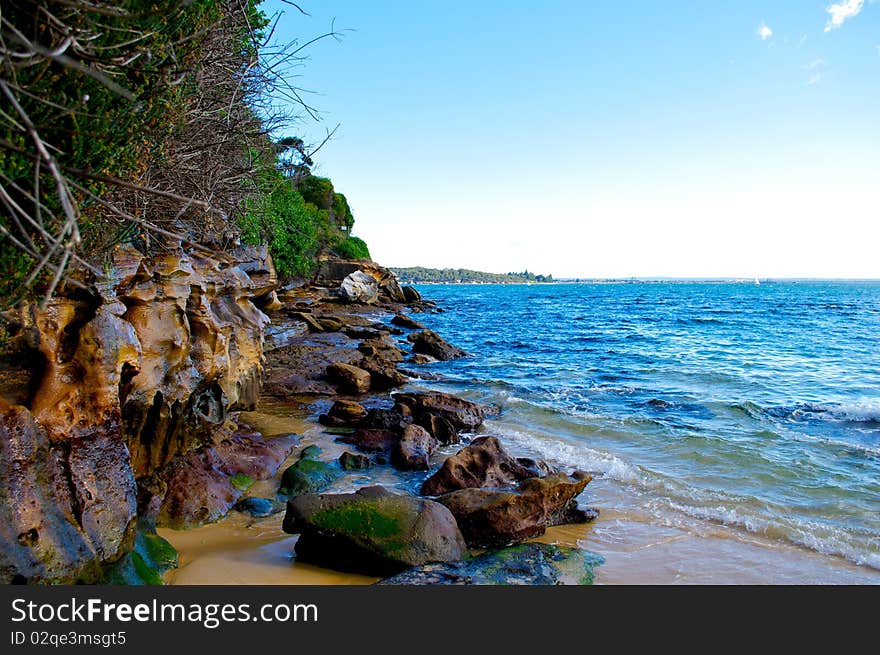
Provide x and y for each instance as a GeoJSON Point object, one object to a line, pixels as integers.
{"type": "Point", "coordinates": [757, 281]}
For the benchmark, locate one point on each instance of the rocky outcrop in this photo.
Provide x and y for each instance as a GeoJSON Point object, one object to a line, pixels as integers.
{"type": "Point", "coordinates": [497, 517]}
{"type": "Point", "coordinates": [372, 531]}
{"type": "Point", "coordinates": [525, 564]}
{"type": "Point", "coordinates": [482, 463]}
{"type": "Point", "coordinates": [428, 342]}
{"type": "Point", "coordinates": [66, 509]}
{"type": "Point", "coordinates": [122, 383]}
{"type": "Point", "coordinates": [443, 415]}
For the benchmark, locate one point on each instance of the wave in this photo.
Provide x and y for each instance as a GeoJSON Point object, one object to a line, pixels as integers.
{"type": "Point", "coordinates": [667, 496]}
{"type": "Point", "coordinates": [859, 411]}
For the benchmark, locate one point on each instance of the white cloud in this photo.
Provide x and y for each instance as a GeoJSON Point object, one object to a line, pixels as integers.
{"type": "Point", "coordinates": [842, 11]}
{"type": "Point", "coordinates": [802, 41]}
{"type": "Point", "coordinates": [764, 31]}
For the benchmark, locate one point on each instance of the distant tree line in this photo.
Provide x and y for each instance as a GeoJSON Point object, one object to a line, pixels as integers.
{"type": "Point", "coordinates": [419, 274]}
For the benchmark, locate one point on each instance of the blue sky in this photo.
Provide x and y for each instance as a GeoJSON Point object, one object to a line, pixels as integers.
{"type": "Point", "coordinates": [606, 139]}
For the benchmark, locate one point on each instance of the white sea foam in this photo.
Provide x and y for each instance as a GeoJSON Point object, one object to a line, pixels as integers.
{"type": "Point", "coordinates": [669, 496]}
{"type": "Point", "coordinates": [866, 410]}
{"type": "Point", "coordinates": [562, 453]}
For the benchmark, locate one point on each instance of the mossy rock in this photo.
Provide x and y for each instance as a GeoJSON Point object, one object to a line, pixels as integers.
{"type": "Point", "coordinates": [241, 481]}
{"type": "Point", "coordinates": [524, 564]}
{"type": "Point", "coordinates": [372, 531]}
{"type": "Point", "coordinates": [147, 563]}
{"type": "Point", "coordinates": [308, 475]}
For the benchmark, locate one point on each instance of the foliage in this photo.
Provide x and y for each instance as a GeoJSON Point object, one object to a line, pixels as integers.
{"type": "Point", "coordinates": [418, 274]}
{"type": "Point", "coordinates": [352, 248]}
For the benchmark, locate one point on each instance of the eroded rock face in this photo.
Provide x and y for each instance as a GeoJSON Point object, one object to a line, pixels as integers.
{"type": "Point", "coordinates": [482, 463]}
{"type": "Point", "coordinates": [124, 382]}
{"type": "Point", "coordinates": [372, 530]}
{"type": "Point", "coordinates": [66, 510]}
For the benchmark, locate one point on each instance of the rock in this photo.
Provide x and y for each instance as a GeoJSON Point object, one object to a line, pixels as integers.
{"type": "Point", "coordinates": [358, 332]}
{"type": "Point", "coordinates": [443, 415]}
{"type": "Point", "coordinates": [64, 511]}
{"type": "Point", "coordinates": [490, 518]}
{"type": "Point", "coordinates": [372, 531]}
{"type": "Point", "coordinates": [405, 321]}
{"type": "Point", "coordinates": [413, 451]}
{"type": "Point", "coordinates": [395, 419]}
{"type": "Point", "coordinates": [411, 295]}
{"type": "Point", "coordinates": [349, 378]}
{"type": "Point", "coordinates": [146, 563]}
{"type": "Point", "coordinates": [359, 287]}
{"type": "Point", "coordinates": [383, 375]}
{"type": "Point", "coordinates": [343, 413]}
{"type": "Point", "coordinates": [483, 463]}
{"type": "Point", "coordinates": [200, 487]}
{"type": "Point", "coordinates": [196, 491]}
{"type": "Point", "coordinates": [524, 564]}
{"type": "Point", "coordinates": [382, 348]}
{"type": "Point", "coordinates": [241, 481]}
{"type": "Point", "coordinates": [330, 324]}
{"type": "Point", "coordinates": [538, 467]}
{"type": "Point", "coordinates": [256, 507]}
{"type": "Point", "coordinates": [270, 303]}
{"type": "Point", "coordinates": [429, 342]}
{"type": "Point", "coordinates": [308, 475]}
{"type": "Point", "coordinates": [371, 440]}
{"type": "Point", "coordinates": [352, 461]}
{"type": "Point", "coordinates": [419, 358]}
{"type": "Point", "coordinates": [309, 319]}
{"type": "Point", "coordinates": [389, 289]}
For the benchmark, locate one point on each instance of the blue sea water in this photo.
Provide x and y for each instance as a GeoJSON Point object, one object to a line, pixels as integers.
{"type": "Point", "coordinates": [752, 406]}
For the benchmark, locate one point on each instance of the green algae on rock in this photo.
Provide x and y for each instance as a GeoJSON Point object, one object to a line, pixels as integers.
{"type": "Point", "coordinates": [372, 531]}
{"type": "Point", "coordinates": [524, 564]}
{"type": "Point", "coordinates": [309, 474]}
{"type": "Point", "coordinates": [147, 563]}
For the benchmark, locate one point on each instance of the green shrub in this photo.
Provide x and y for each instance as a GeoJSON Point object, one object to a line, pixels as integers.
{"type": "Point", "coordinates": [353, 248]}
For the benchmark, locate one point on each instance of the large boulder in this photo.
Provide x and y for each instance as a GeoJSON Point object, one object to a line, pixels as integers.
{"type": "Point", "coordinates": [200, 487]}
{"type": "Point", "coordinates": [482, 463]}
{"type": "Point", "coordinates": [359, 287]}
{"type": "Point", "coordinates": [372, 531]}
{"type": "Point", "coordinates": [413, 451]}
{"type": "Point", "coordinates": [524, 564]}
{"type": "Point", "coordinates": [429, 342]}
{"type": "Point", "coordinates": [490, 518]}
{"type": "Point", "coordinates": [349, 378]}
{"type": "Point", "coordinates": [442, 414]}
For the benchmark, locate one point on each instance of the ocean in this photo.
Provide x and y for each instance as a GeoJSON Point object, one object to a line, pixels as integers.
{"type": "Point", "coordinates": [751, 410]}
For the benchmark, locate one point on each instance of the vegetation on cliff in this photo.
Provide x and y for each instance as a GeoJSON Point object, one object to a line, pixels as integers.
{"type": "Point", "coordinates": [150, 123]}
{"type": "Point", "coordinates": [418, 274]}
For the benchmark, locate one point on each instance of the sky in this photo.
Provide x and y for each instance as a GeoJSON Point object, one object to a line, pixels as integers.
{"type": "Point", "coordinates": [602, 139]}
